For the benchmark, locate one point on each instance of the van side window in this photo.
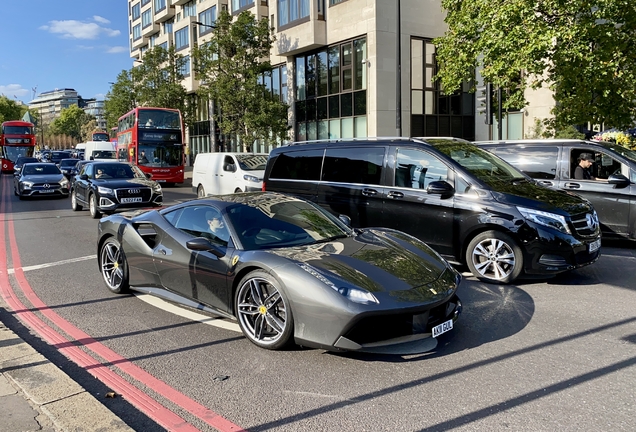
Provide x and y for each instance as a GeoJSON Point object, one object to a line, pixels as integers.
{"type": "Point", "coordinates": [354, 165]}
{"type": "Point", "coordinates": [603, 166]}
{"type": "Point", "coordinates": [539, 162]}
{"type": "Point", "coordinates": [298, 165]}
{"type": "Point", "coordinates": [417, 169]}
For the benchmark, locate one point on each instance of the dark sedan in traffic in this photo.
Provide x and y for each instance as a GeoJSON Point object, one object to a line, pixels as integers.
{"type": "Point", "coordinates": [19, 162]}
{"type": "Point", "coordinates": [67, 166]}
{"type": "Point", "coordinates": [286, 269]}
{"type": "Point", "coordinates": [39, 179]}
{"type": "Point", "coordinates": [106, 187]}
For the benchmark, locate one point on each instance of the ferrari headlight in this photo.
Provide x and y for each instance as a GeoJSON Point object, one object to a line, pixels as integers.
{"type": "Point", "coordinates": [104, 190]}
{"type": "Point", "coordinates": [251, 178]}
{"type": "Point", "coordinates": [358, 295]}
{"type": "Point", "coordinates": [551, 220]}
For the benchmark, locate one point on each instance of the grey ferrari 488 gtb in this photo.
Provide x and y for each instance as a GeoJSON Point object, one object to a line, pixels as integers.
{"type": "Point", "coordinates": [285, 269]}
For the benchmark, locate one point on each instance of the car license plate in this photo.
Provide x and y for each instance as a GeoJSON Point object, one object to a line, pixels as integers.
{"type": "Point", "coordinates": [442, 328]}
{"type": "Point", "coordinates": [47, 191]}
{"type": "Point", "coordinates": [160, 181]}
{"type": "Point", "coordinates": [593, 247]}
{"type": "Point", "coordinates": [130, 200]}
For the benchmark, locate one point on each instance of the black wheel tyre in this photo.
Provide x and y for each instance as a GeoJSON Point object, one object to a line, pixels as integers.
{"type": "Point", "coordinates": [263, 312]}
{"type": "Point", "coordinates": [200, 192]}
{"type": "Point", "coordinates": [74, 205]}
{"type": "Point", "coordinates": [15, 192]}
{"type": "Point", "coordinates": [113, 266]}
{"type": "Point", "coordinates": [20, 197]}
{"type": "Point", "coordinates": [237, 190]}
{"type": "Point", "coordinates": [494, 257]}
{"type": "Point", "coordinates": [95, 213]}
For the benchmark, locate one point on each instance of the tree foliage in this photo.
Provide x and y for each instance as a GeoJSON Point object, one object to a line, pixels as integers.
{"type": "Point", "coordinates": [156, 82]}
{"type": "Point", "coordinates": [584, 50]}
{"type": "Point", "coordinates": [10, 109]}
{"type": "Point", "coordinates": [70, 122]}
{"type": "Point", "coordinates": [229, 67]}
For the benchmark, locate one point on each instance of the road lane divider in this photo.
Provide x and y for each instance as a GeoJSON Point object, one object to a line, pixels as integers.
{"type": "Point", "coordinates": [71, 349]}
{"type": "Point", "coordinates": [54, 264]}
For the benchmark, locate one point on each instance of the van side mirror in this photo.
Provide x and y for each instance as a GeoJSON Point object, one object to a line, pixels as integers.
{"type": "Point", "coordinates": [618, 180]}
{"type": "Point", "coordinates": [84, 177]}
{"type": "Point", "coordinates": [440, 187]}
{"type": "Point", "coordinates": [229, 168]}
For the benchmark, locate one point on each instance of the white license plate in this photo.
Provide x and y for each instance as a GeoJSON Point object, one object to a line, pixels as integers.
{"type": "Point", "coordinates": [593, 247]}
{"type": "Point", "coordinates": [130, 200]}
{"type": "Point", "coordinates": [47, 191]}
{"type": "Point", "coordinates": [442, 328]}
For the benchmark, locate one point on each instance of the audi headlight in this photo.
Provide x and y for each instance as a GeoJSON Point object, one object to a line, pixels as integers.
{"type": "Point", "coordinates": [551, 220]}
{"type": "Point", "coordinates": [27, 184]}
{"type": "Point", "coordinates": [251, 178]}
{"type": "Point", "coordinates": [156, 187]}
{"type": "Point", "coordinates": [104, 190]}
{"type": "Point", "coordinates": [355, 294]}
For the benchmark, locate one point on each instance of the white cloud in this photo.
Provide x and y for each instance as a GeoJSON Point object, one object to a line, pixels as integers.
{"type": "Point", "coordinates": [116, 50]}
{"type": "Point", "coordinates": [13, 90]}
{"type": "Point", "coordinates": [99, 19]}
{"type": "Point", "coordinates": [73, 29]}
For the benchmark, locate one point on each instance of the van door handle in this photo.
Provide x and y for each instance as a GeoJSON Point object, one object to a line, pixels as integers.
{"type": "Point", "coordinates": [369, 192]}
{"type": "Point", "coordinates": [394, 194]}
{"type": "Point", "coordinates": [572, 185]}
{"type": "Point", "coordinates": [546, 183]}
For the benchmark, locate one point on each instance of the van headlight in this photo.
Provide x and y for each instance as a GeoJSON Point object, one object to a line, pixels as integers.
{"type": "Point", "coordinates": [251, 178]}
{"type": "Point", "coordinates": [551, 220]}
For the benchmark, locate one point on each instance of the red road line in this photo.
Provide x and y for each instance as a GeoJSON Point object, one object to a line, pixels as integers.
{"type": "Point", "coordinates": [139, 399]}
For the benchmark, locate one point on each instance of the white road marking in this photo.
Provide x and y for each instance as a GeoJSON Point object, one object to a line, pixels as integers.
{"type": "Point", "coordinates": [185, 313]}
{"type": "Point", "coordinates": [53, 264]}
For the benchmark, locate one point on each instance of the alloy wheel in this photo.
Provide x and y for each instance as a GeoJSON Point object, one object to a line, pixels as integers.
{"type": "Point", "coordinates": [113, 266]}
{"type": "Point", "coordinates": [493, 259]}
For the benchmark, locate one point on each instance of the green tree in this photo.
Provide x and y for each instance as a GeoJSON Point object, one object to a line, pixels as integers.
{"type": "Point", "coordinates": [70, 122]}
{"type": "Point", "coordinates": [229, 67]}
{"type": "Point", "coordinates": [120, 99]}
{"type": "Point", "coordinates": [585, 51]}
{"type": "Point", "coordinates": [10, 109]}
{"type": "Point", "coordinates": [87, 129]}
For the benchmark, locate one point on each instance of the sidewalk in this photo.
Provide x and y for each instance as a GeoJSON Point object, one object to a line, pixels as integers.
{"type": "Point", "coordinates": [35, 395]}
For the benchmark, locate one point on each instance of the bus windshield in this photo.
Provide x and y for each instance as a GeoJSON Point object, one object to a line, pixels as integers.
{"type": "Point", "coordinates": [156, 155]}
{"type": "Point", "coordinates": [17, 130]}
{"type": "Point", "coordinates": [159, 119]}
{"type": "Point", "coordinates": [100, 136]}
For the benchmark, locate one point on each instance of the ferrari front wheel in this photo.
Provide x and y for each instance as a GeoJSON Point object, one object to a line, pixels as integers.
{"type": "Point", "coordinates": [263, 312]}
{"type": "Point", "coordinates": [112, 263]}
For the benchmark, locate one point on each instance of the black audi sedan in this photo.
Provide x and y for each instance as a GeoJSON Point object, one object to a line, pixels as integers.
{"type": "Point", "coordinates": [67, 166]}
{"type": "Point", "coordinates": [106, 187]}
{"type": "Point", "coordinates": [39, 179]}
{"type": "Point", "coordinates": [17, 166]}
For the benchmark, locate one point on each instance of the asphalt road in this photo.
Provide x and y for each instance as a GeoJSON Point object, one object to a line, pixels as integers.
{"type": "Point", "coordinates": [540, 355]}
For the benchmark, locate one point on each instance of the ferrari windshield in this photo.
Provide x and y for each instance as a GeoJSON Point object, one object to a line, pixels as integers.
{"type": "Point", "coordinates": [282, 222]}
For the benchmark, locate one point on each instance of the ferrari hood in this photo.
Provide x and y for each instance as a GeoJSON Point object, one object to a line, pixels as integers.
{"type": "Point", "coordinates": [376, 260]}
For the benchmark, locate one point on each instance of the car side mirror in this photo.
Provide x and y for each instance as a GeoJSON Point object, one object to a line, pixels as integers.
{"type": "Point", "coordinates": [440, 187]}
{"type": "Point", "coordinates": [618, 180]}
{"type": "Point", "coordinates": [148, 175]}
{"type": "Point", "coordinates": [84, 177]}
{"type": "Point", "coordinates": [204, 245]}
{"type": "Point", "coordinates": [345, 219]}
{"type": "Point", "coordinates": [229, 168]}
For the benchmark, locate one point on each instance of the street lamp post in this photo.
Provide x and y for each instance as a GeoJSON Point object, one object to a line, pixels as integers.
{"type": "Point", "coordinates": [213, 143]}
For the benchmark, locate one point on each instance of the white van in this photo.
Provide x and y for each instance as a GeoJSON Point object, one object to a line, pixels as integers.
{"type": "Point", "coordinates": [100, 150]}
{"type": "Point", "coordinates": [226, 173]}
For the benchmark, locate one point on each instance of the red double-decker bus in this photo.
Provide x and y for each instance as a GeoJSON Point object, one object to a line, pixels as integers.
{"type": "Point", "coordinates": [17, 138]}
{"type": "Point", "coordinates": [100, 136]}
{"type": "Point", "coordinates": [152, 139]}
{"type": "Point", "coordinates": [113, 135]}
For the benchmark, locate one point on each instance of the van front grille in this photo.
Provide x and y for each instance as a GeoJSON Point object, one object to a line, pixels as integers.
{"type": "Point", "coordinates": [586, 224]}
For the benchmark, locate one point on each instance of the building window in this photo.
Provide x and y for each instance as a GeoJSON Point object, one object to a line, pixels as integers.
{"type": "Point", "coordinates": [275, 82]}
{"type": "Point", "coordinates": [160, 5]}
{"type": "Point", "coordinates": [163, 45]}
{"type": "Point", "coordinates": [433, 112]}
{"type": "Point", "coordinates": [238, 5]}
{"type": "Point", "coordinates": [146, 18]}
{"type": "Point", "coordinates": [190, 8]}
{"type": "Point", "coordinates": [136, 12]}
{"type": "Point", "coordinates": [137, 32]}
{"type": "Point", "coordinates": [167, 26]}
{"type": "Point", "coordinates": [153, 39]}
{"type": "Point", "coordinates": [144, 2]}
{"type": "Point", "coordinates": [331, 96]}
{"type": "Point", "coordinates": [290, 11]}
{"type": "Point", "coordinates": [333, 2]}
{"type": "Point", "coordinates": [185, 69]}
{"type": "Point", "coordinates": [181, 39]}
{"type": "Point", "coordinates": [207, 17]}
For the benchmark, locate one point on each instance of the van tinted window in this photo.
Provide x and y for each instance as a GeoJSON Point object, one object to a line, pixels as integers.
{"type": "Point", "coordinates": [538, 162]}
{"type": "Point", "coordinates": [417, 169]}
{"type": "Point", "coordinates": [354, 165]}
{"type": "Point", "coordinates": [298, 165]}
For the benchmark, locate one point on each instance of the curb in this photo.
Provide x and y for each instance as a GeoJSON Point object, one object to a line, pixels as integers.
{"type": "Point", "coordinates": [49, 391]}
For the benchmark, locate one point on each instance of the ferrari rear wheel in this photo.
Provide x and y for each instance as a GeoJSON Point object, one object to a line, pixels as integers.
{"type": "Point", "coordinates": [263, 312]}
{"type": "Point", "coordinates": [114, 267]}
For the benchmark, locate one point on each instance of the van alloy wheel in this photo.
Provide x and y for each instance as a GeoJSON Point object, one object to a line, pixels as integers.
{"type": "Point", "coordinates": [494, 257]}
{"type": "Point", "coordinates": [200, 192]}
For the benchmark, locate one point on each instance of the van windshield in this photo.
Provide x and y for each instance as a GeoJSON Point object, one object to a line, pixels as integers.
{"type": "Point", "coordinates": [252, 162]}
{"type": "Point", "coordinates": [485, 166]}
{"type": "Point", "coordinates": [623, 151]}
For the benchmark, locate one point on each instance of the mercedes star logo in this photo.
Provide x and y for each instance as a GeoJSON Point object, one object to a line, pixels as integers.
{"type": "Point", "coordinates": [592, 221]}
{"type": "Point", "coordinates": [133, 191]}
{"type": "Point", "coordinates": [46, 185]}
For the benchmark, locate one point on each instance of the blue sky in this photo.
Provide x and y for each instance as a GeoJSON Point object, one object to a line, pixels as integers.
{"type": "Point", "coordinates": [49, 44]}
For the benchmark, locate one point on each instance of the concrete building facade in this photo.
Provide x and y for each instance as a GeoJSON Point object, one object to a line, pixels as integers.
{"type": "Point", "coordinates": [335, 63]}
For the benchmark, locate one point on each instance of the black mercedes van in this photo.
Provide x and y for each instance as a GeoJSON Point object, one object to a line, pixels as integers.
{"type": "Point", "coordinates": [468, 204]}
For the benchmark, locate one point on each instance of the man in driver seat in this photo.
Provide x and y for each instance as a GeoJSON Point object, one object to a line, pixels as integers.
{"type": "Point", "coordinates": [216, 227]}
